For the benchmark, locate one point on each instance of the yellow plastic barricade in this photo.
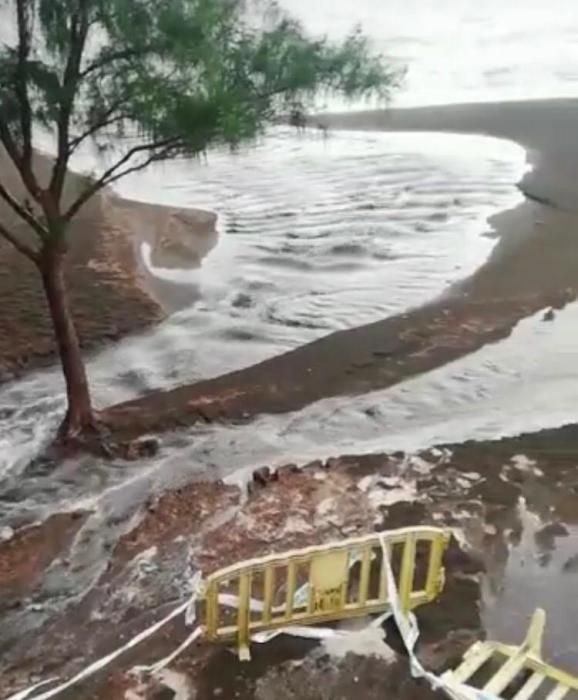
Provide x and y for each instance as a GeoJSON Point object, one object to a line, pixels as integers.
{"type": "Point", "coordinates": [519, 674]}
{"type": "Point", "coordinates": [322, 584]}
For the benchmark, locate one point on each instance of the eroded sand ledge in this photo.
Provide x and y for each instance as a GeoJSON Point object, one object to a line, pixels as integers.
{"type": "Point", "coordinates": [112, 292]}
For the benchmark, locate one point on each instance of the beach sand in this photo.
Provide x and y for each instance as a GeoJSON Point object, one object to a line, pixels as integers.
{"type": "Point", "coordinates": [533, 266]}
{"type": "Point", "coordinates": [112, 291]}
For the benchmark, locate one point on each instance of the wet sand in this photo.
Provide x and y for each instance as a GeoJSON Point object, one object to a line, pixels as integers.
{"type": "Point", "coordinates": [474, 489]}
{"type": "Point", "coordinates": [111, 290]}
{"type": "Point", "coordinates": [534, 266]}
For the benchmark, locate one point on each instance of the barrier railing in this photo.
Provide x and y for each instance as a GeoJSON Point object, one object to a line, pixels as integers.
{"type": "Point", "coordinates": [322, 584]}
{"type": "Point", "coordinates": [514, 672]}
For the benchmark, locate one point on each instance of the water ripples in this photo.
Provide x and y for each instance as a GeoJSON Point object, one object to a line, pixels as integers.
{"type": "Point", "coordinates": [326, 233]}
{"type": "Point", "coordinates": [317, 235]}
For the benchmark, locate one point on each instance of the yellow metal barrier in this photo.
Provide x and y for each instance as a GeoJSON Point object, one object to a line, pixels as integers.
{"type": "Point", "coordinates": [522, 674]}
{"type": "Point", "coordinates": [322, 584]}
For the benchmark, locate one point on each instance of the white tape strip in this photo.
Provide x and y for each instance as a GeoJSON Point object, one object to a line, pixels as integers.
{"type": "Point", "coordinates": [320, 633]}
{"type": "Point", "coordinates": [106, 660]}
{"type": "Point", "coordinates": [163, 663]}
{"type": "Point", "coordinates": [406, 624]}
{"type": "Point", "coordinates": [409, 631]}
{"type": "Point", "coordinates": [26, 693]}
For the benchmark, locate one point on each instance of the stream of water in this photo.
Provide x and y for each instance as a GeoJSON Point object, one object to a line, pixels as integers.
{"type": "Point", "coordinates": [317, 234]}
{"type": "Point", "coordinates": [323, 233]}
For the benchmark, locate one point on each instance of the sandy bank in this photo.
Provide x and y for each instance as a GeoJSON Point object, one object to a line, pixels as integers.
{"type": "Point", "coordinates": [534, 265]}
{"type": "Point", "coordinates": [112, 292]}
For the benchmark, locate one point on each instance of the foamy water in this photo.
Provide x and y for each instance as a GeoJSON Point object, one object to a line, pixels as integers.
{"type": "Point", "coordinates": [317, 234]}
{"type": "Point", "coordinates": [322, 234]}
{"type": "Point", "coordinates": [500, 390]}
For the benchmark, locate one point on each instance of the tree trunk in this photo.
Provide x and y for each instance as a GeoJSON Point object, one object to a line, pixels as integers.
{"type": "Point", "coordinates": [80, 419]}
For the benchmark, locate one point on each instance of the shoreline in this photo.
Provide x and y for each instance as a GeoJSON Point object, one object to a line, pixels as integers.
{"type": "Point", "coordinates": [533, 266]}
{"type": "Point", "coordinates": [539, 126]}
{"type": "Point", "coordinates": [544, 129]}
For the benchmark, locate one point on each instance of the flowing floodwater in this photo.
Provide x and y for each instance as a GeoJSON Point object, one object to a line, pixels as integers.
{"type": "Point", "coordinates": [320, 233]}
{"type": "Point", "coordinates": [500, 390]}
{"type": "Point", "coordinates": [317, 234]}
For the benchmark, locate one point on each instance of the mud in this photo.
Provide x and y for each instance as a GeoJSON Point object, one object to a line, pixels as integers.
{"type": "Point", "coordinates": [25, 555]}
{"type": "Point", "coordinates": [511, 503]}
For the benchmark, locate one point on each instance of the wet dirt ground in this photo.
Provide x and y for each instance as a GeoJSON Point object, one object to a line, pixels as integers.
{"type": "Point", "coordinates": [512, 505]}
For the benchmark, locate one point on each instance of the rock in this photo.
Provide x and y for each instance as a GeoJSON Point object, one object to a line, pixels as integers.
{"type": "Point", "coordinates": [571, 565]}
{"type": "Point", "coordinates": [141, 449]}
{"type": "Point", "coordinates": [262, 476]}
{"type": "Point", "coordinates": [286, 471]}
{"type": "Point", "coordinates": [316, 464]}
{"type": "Point", "coordinates": [149, 447]}
{"type": "Point", "coordinates": [549, 315]}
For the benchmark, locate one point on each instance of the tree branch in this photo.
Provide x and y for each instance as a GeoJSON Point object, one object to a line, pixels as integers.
{"type": "Point", "coordinates": [20, 246]}
{"type": "Point", "coordinates": [153, 158]}
{"type": "Point", "coordinates": [9, 143]}
{"type": "Point", "coordinates": [79, 26]}
{"type": "Point", "coordinates": [23, 213]}
{"type": "Point", "coordinates": [107, 59]}
{"type": "Point", "coordinates": [106, 120]}
{"type": "Point", "coordinates": [114, 173]}
{"type": "Point", "coordinates": [21, 83]}
{"type": "Point", "coordinates": [26, 174]}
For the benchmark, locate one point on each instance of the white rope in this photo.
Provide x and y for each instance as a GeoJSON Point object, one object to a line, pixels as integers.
{"type": "Point", "coordinates": [106, 660]}
{"type": "Point", "coordinates": [406, 623]}
{"type": "Point", "coordinates": [26, 693]}
{"type": "Point", "coordinates": [409, 631]}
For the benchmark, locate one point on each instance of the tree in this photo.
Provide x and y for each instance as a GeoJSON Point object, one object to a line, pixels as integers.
{"type": "Point", "coordinates": [156, 79]}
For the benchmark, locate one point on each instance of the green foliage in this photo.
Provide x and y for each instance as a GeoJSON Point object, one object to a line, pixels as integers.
{"type": "Point", "coordinates": [175, 75]}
